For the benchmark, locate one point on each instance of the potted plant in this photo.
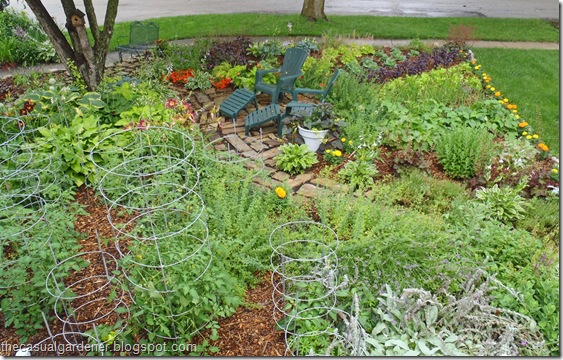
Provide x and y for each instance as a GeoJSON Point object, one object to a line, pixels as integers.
{"type": "Point", "coordinates": [314, 127]}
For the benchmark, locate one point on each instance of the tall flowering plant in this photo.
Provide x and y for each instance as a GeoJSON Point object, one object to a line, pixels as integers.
{"type": "Point", "coordinates": [183, 112]}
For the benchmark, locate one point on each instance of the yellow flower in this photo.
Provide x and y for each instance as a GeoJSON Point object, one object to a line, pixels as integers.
{"type": "Point", "coordinates": [484, 75]}
{"type": "Point", "coordinates": [529, 137]}
{"type": "Point", "coordinates": [473, 62]}
{"type": "Point", "coordinates": [327, 151]}
{"type": "Point", "coordinates": [343, 139]}
{"type": "Point", "coordinates": [280, 192]}
{"type": "Point", "coordinates": [497, 94]}
{"type": "Point", "coordinates": [492, 89]}
{"type": "Point", "coordinates": [488, 86]}
{"type": "Point", "coordinates": [350, 142]}
{"type": "Point", "coordinates": [505, 100]}
{"type": "Point", "coordinates": [515, 111]}
{"type": "Point", "coordinates": [555, 171]}
{"type": "Point", "coordinates": [525, 133]}
{"type": "Point", "coordinates": [535, 136]}
{"type": "Point", "coordinates": [337, 153]}
{"type": "Point", "coordinates": [517, 117]}
{"type": "Point", "coordinates": [543, 147]}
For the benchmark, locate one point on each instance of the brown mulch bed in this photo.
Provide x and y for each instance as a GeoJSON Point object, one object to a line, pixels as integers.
{"type": "Point", "coordinates": [251, 331]}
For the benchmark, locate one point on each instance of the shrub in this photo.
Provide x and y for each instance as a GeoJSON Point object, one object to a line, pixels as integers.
{"type": "Point", "coordinates": [295, 159]}
{"type": "Point", "coordinates": [23, 41]}
{"type": "Point", "coordinates": [464, 151]}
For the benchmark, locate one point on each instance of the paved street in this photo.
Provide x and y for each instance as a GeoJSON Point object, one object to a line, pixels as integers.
{"type": "Point", "coordinates": [143, 9]}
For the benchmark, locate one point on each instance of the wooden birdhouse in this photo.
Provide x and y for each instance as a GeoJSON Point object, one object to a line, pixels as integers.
{"type": "Point", "coordinates": [77, 18]}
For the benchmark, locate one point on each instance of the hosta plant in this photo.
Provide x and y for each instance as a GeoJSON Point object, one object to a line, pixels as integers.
{"type": "Point", "coordinates": [295, 159]}
{"type": "Point", "coordinates": [505, 203]}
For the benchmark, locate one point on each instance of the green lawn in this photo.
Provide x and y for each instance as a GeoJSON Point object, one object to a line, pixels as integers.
{"type": "Point", "coordinates": [529, 79]}
{"type": "Point", "coordinates": [385, 27]}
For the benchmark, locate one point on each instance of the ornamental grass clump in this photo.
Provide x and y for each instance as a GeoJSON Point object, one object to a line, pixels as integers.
{"type": "Point", "coordinates": [464, 151]}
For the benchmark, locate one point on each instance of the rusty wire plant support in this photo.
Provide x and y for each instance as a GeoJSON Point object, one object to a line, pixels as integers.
{"type": "Point", "coordinates": [151, 188]}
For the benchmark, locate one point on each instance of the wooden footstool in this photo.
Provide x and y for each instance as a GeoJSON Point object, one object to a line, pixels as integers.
{"type": "Point", "coordinates": [237, 101]}
{"type": "Point", "coordinates": [261, 116]}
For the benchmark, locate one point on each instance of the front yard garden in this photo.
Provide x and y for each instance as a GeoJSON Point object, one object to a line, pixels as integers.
{"type": "Point", "coordinates": [433, 228]}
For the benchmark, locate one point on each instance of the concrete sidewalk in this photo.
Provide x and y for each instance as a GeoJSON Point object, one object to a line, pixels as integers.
{"type": "Point", "coordinates": [113, 57]}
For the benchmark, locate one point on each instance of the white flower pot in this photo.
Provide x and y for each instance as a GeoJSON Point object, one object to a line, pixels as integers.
{"type": "Point", "coordinates": [312, 138]}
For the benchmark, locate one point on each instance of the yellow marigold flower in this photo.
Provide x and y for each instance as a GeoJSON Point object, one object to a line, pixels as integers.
{"type": "Point", "coordinates": [343, 139]}
{"type": "Point", "coordinates": [327, 151]}
{"type": "Point", "coordinates": [473, 62]}
{"type": "Point", "coordinates": [501, 102]}
{"type": "Point", "coordinates": [523, 124]}
{"type": "Point", "coordinates": [497, 94]}
{"type": "Point", "coordinates": [525, 133]}
{"type": "Point", "coordinates": [493, 89]}
{"type": "Point", "coordinates": [488, 86]}
{"type": "Point", "coordinates": [529, 137]}
{"type": "Point", "coordinates": [280, 192]}
{"type": "Point", "coordinates": [535, 136]}
{"type": "Point", "coordinates": [517, 117]}
{"type": "Point", "coordinates": [337, 153]}
{"type": "Point", "coordinates": [484, 74]}
{"type": "Point", "coordinates": [505, 100]}
{"type": "Point", "coordinates": [543, 147]}
{"type": "Point", "coordinates": [555, 171]}
{"type": "Point", "coordinates": [515, 111]}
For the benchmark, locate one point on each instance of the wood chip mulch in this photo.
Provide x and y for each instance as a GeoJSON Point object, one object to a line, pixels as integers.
{"type": "Point", "coordinates": [251, 331]}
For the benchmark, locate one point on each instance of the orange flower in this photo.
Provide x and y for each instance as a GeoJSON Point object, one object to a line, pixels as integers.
{"type": "Point", "coordinates": [543, 147]}
{"type": "Point", "coordinates": [523, 124]}
{"type": "Point", "coordinates": [497, 93]}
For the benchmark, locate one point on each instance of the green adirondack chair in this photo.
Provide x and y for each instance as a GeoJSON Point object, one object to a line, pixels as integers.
{"type": "Point", "coordinates": [290, 70]}
{"type": "Point", "coordinates": [295, 106]}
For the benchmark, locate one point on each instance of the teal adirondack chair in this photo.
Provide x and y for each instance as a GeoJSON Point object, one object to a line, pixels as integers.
{"type": "Point", "coordinates": [295, 106]}
{"type": "Point", "coordinates": [290, 70]}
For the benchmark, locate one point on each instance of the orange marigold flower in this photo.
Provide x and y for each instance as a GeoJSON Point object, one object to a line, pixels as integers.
{"type": "Point", "coordinates": [523, 124]}
{"type": "Point", "coordinates": [543, 147]}
{"type": "Point", "coordinates": [497, 94]}
{"type": "Point", "coordinates": [280, 192]}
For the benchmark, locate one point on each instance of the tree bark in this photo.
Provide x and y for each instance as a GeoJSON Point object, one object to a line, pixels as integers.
{"type": "Point", "coordinates": [314, 10]}
{"type": "Point", "coordinates": [89, 59]}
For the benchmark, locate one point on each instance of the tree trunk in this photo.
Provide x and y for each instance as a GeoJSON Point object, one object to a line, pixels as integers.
{"type": "Point", "coordinates": [89, 59]}
{"type": "Point", "coordinates": [314, 10]}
